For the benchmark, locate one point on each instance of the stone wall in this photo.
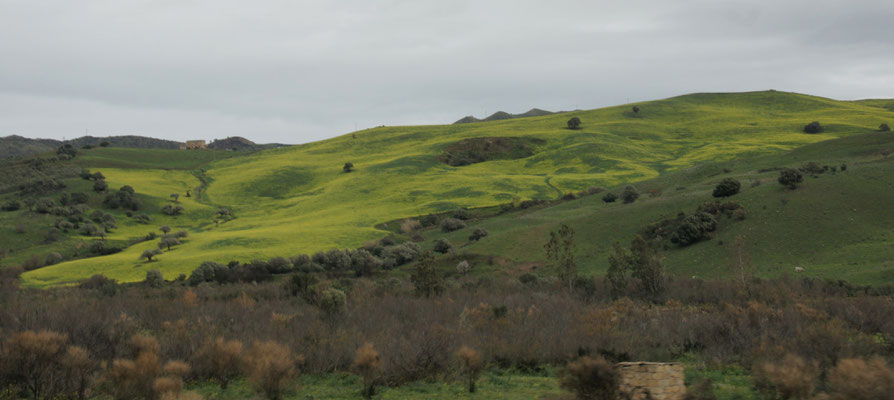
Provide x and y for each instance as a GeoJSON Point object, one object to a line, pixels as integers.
{"type": "Point", "coordinates": [661, 381]}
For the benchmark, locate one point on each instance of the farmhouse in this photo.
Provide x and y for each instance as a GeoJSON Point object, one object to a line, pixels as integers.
{"type": "Point", "coordinates": [193, 144]}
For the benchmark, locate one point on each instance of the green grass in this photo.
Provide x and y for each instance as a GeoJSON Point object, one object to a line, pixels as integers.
{"type": "Point", "coordinates": [297, 199]}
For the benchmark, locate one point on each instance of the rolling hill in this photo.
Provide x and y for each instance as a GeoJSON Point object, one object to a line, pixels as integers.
{"type": "Point", "coordinates": [298, 199]}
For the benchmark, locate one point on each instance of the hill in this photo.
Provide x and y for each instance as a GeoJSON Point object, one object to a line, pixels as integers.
{"type": "Point", "coordinates": [298, 199]}
{"type": "Point", "coordinates": [17, 146]}
{"type": "Point", "coordinates": [501, 115]}
{"type": "Point", "coordinates": [238, 143]}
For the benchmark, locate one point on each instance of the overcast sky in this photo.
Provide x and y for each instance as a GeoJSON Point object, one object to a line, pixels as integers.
{"type": "Point", "coordinates": [297, 71]}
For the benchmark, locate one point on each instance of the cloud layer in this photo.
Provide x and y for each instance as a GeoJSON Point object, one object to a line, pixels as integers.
{"type": "Point", "coordinates": [297, 71]}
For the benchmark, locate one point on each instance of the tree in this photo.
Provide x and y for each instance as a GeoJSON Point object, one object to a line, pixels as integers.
{"type": "Point", "coordinates": [647, 268]}
{"type": "Point", "coordinates": [694, 228]}
{"type": "Point", "coordinates": [884, 128]}
{"type": "Point", "coordinates": [629, 195]}
{"type": "Point", "coordinates": [176, 197]}
{"type": "Point", "coordinates": [168, 243]}
{"type": "Point", "coordinates": [813, 127]}
{"type": "Point", "coordinates": [100, 185]}
{"type": "Point", "coordinates": [426, 278]}
{"type": "Point", "coordinates": [452, 224]}
{"type": "Point", "coordinates": [172, 210]}
{"type": "Point", "coordinates": [369, 365]}
{"type": "Point", "coordinates": [609, 197]}
{"type": "Point", "coordinates": [32, 358]}
{"type": "Point", "coordinates": [574, 123]}
{"type": "Point", "coordinates": [560, 253]}
{"type": "Point", "coordinates": [740, 261]}
{"type": "Point", "coordinates": [635, 110]}
{"type": "Point", "coordinates": [463, 267]}
{"type": "Point", "coordinates": [348, 167]}
{"type": "Point", "coordinates": [790, 177]}
{"type": "Point", "coordinates": [478, 234]}
{"type": "Point", "coordinates": [442, 246]}
{"type": "Point", "coordinates": [154, 278]}
{"type": "Point", "coordinates": [165, 229]}
{"type": "Point", "coordinates": [471, 364]}
{"type": "Point", "coordinates": [270, 366]}
{"type": "Point", "coordinates": [148, 254]}
{"type": "Point", "coordinates": [618, 265]}
{"type": "Point", "coordinates": [727, 187]}
{"type": "Point", "coordinates": [220, 360]}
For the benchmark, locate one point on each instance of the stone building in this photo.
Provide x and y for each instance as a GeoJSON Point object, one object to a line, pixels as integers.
{"type": "Point", "coordinates": [194, 144]}
{"type": "Point", "coordinates": [650, 380]}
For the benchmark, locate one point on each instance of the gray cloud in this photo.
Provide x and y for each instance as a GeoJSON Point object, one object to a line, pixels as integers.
{"type": "Point", "coordinates": [296, 71]}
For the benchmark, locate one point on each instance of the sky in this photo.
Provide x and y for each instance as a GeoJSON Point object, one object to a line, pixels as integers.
{"type": "Point", "coordinates": [292, 71]}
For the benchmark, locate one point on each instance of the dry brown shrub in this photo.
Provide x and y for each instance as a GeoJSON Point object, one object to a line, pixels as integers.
{"type": "Point", "coordinates": [190, 299]}
{"type": "Point", "coordinates": [167, 387]}
{"type": "Point", "coordinates": [245, 301]}
{"type": "Point", "coordinates": [135, 379]}
{"type": "Point", "coordinates": [790, 378]}
{"type": "Point", "coordinates": [368, 364]}
{"type": "Point", "coordinates": [857, 379]}
{"type": "Point", "coordinates": [31, 357]}
{"type": "Point", "coordinates": [591, 378]}
{"type": "Point", "coordinates": [269, 366]}
{"type": "Point", "coordinates": [220, 360]}
{"type": "Point", "coordinates": [77, 369]}
{"type": "Point", "coordinates": [471, 364]}
{"type": "Point", "coordinates": [410, 225]}
{"type": "Point", "coordinates": [176, 368]}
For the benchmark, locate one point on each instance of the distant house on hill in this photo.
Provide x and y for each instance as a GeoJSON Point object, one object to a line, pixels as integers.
{"type": "Point", "coordinates": [193, 144]}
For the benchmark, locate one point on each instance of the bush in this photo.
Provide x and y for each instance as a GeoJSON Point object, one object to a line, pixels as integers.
{"type": "Point", "coordinates": [348, 167]}
{"type": "Point", "coordinates": [154, 279]}
{"type": "Point", "coordinates": [790, 178]}
{"type": "Point", "coordinates": [172, 210]}
{"type": "Point", "coordinates": [442, 246]}
{"type": "Point", "coordinates": [471, 364]}
{"type": "Point", "coordinates": [44, 206]}
{"type": "Point", "coordinates": [727, 187]}
{"type": "Point", "coordinates": [32, 358]}
{"type": "Point", "coordinates": [220, 360]}
{"type": "Point", "coordinates": [11, 205]}
{"type": "Point", "coordinates": [694, 228]}
{"type": "Point", "coordinates": [368, 364]}
{"type": "Point", "coordinates": [574, 123]}
{"type": "Point", "coordinates": [463, 267]}
{"type": "Point", "coordinates": [609, 197]}
{"type": "Point", "coordinates": [332, 302]}
{"type": "Point", "coordinates": [629, 195]}
{"type": "Point", "coordinates": [100, 185]}
{"type": "Point", "coordinates": [789, 378]}
{"type": "Point", "coordinates": [884, 128]}
{"type": "Point", "coordinates": [53, 258]}
{"type": "Point", "coordinates": [462, 214]}
{"type": "Point", "coordinates": [410, 225]}
{"type": "Point", "coordinates": [591, 378]}
{"type": "Point", "coordinates": [269, 366]}
{"type": "Point", "coordinates": [813, 127]}
{"type": "Point", "coordinates": [452, 224]}
{"type": "Point", "coordinates": [478, 234]}
{"type": "Point", "coordinates": [856, 379]}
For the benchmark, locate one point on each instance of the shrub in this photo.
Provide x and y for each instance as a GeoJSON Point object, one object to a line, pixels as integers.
{"type": "Point", "coordinates": [635, 110]}
{"type": "Point", "coordinates": [790, 178]}
{"type": "Point", "coordinates": [574, 123]}
{"type": "Point", "coordinates": [856, 379]}
{"type": "Point", "coordinates": [332, 302]}
{"type": "Point", "coordinates": [694, 228]}
{"type": "Point", "coordinates": [727, 187]}
{"type": "Point", "coordinates": [410, 225]}
{"type": "Point", "coordinates": [478, 234]}
{"type": "Point", "coordinates": [165, 229]}
{"type": "Point", "coordinates": [100, 185]}
{"type": "Point", "coordinates": [154, 279]}
{"type": "Point", "coordinates": [172, 210]}
{"type": "Point", "coordinates": [463, 267]}
{"type": "Point", "coordinates": [462, 214]}
{"type": "Point", "coordinates": [471, 364]}
{"type": "Point", "coordinates": [609, 197]}
{"type": "Point", "coordinates": [220, 360]}
{"type": "Point", "coordinates": [44, 206]}
{"type": "Point", "coordinates": [452, 224]}
{"type": "Point", "coordinates": [32, 357]}
{"type": "Point", "coordinates": [368, 364]}
{"type": "Point", "coordinates": [135, 378]}
{"type": "Point", "coordinates": [701, 390]}
{"type": "Point", "coordinates": [11, 205]}
{"type": "Point", "coordinates": [425, 277]}
{"type": "Point", "coordinates": [884, 128]}
{"type": "Point", "coordinates": [629, 195]}
{"type": "Point", "coordinates": [442, 246]}
{"type": "Point", "coordinates": [569, 196]}
{"type": "Point", "coordinates": [348, 167]}
{"type": "Point", "coordinates": [789, 378]}
{"type": "Point", "coordinates": [269, 366]}
{"type": "Point", "coordinates": [32, 263]}
{"type": "Point", "coordinates": [53, 258]}
{"type": "Point", "coordinates": [813, 127]}
{"type": "Point", "coordinates": [591, 378]}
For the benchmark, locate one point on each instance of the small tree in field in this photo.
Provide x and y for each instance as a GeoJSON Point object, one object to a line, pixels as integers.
{"type": "Point", "coordinates": [348, 167]}
{"type": "Point", "coordinates": [471, 364]}
{"type": "Point", "coordinates": [790, 178]}
{"type": "Point", "coordinates": [560, 253]}
{"type": "Point", "coordinates": [165, 229]}
{"type": "Point", "coordinates": [574, 123]}
{"type": "Point", "coordinates": [175, 197]}
{"type": "Point", "coordinates": [168, 243]}
{"type": "Point", "coordinates": [368, 364]}
{"type": "Point", "coordinates": [442, 246]}
{"type": "Point", "coordinates": [148, 254]}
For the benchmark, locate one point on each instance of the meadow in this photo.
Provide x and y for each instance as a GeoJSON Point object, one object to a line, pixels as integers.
{"type": "Point", "coordinates": [298, 199]}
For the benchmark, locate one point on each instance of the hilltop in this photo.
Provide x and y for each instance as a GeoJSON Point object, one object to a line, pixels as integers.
{"type": "Point", "coordinates": [501, 115]}
{"type": "Point", "coordinates": [294, 200]}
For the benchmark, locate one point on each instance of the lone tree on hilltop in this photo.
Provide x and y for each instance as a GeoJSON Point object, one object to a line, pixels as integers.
{"type": "Point", "coordinates": [790, 177]}
{"type": "Point", "coordinates": [574, 123]}
{"type": "Point", "coordinates": [727, 187]}
{"type": "Point", "coordinates": [348, 167]}
{"type": "Point", "coordinates": [813, 127]}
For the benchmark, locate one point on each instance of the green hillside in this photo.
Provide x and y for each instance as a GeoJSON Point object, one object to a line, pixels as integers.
{"type": "Point", "coordinates": [298, 199]}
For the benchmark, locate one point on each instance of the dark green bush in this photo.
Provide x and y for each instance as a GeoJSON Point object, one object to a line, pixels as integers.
{"type": "Point", "coordinates": [813, 127]}
{"type": "Point", "coordinates": [727, 187]}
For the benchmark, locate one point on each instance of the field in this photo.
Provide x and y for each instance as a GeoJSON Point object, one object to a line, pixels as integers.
{"type": "Point", "coordinates": [298, 199]}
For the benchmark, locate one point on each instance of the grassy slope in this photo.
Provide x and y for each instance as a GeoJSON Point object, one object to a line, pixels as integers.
{"type": "Point", "coordinates": [835, 225]}
{"type": "Point", "coordinates": [297, 199]}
